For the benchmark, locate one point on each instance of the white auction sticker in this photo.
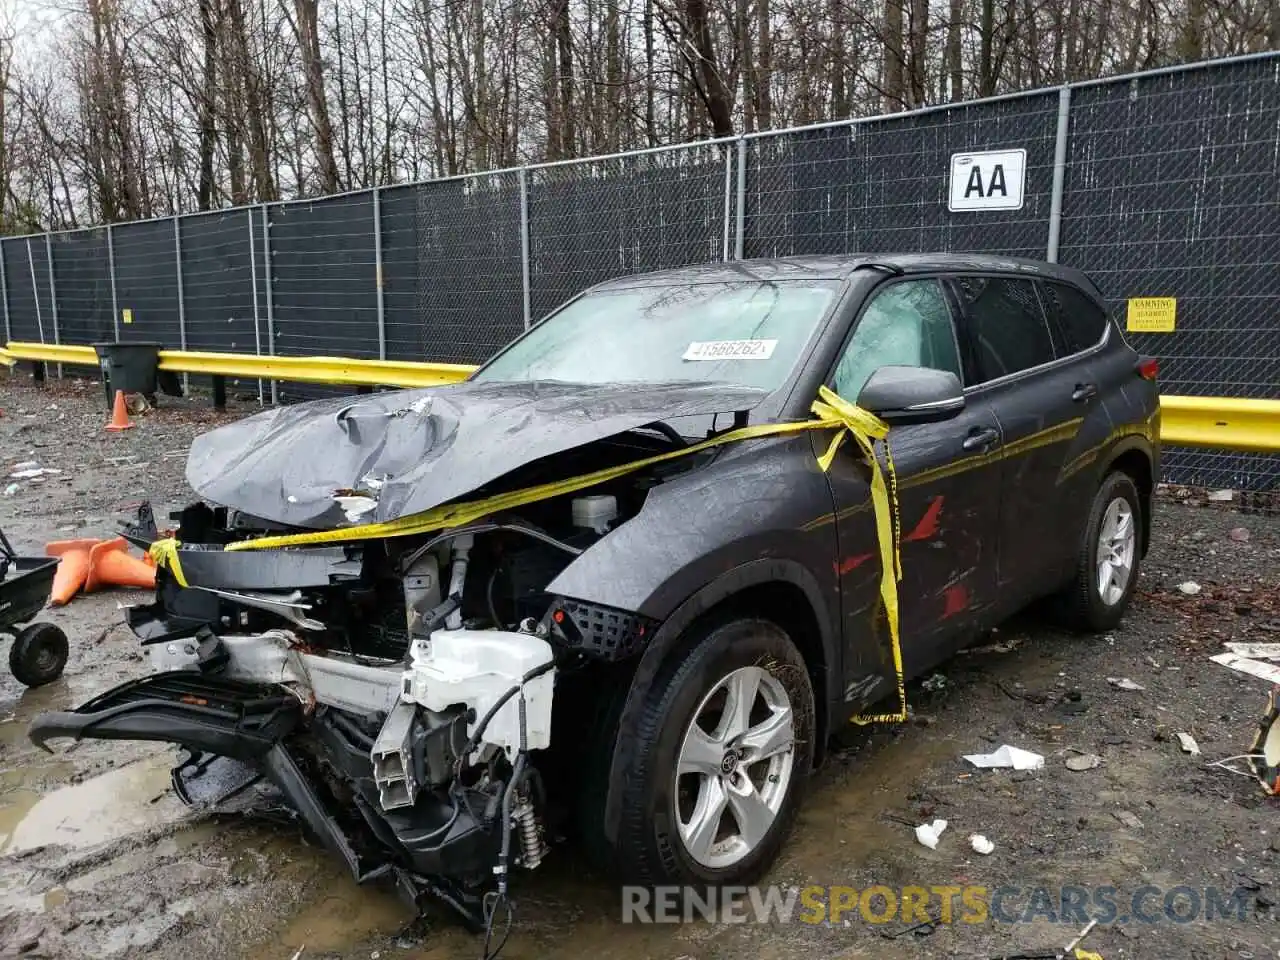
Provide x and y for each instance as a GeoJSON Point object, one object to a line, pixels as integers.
{"type": "Point", "coordinates": [730, 350]}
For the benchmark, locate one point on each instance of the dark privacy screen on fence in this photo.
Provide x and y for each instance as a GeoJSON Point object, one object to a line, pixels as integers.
{"type": "Point", "coordinates": [882, 185]}
{"type": "Point", "coordinates": [221, 283]}
{"type": "Point", "coordinates": [83, 284]}
{"type": "Point", "coordinates": [605, 218]}
{"type": "Point", "coordinates": [147, 281]}
{"type": "Point", "coordinates": [323, 278]}
{"type": "Point", "coordinates": [1170, 187]}
{"type": "Point", "coordinates": [451, 267]}
{"type": "Point", "coordinates": [1173, 190]}
{"type": "Point", "coordinates": [26, 273]}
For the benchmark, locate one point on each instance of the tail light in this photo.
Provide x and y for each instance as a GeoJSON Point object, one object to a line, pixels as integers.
{"type": "Point", "coordinates": [1148, 368]}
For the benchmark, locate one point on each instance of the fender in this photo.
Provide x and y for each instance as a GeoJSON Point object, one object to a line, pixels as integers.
{"type": "Point", "coordinates": [665, 640]}
{"type": "Point", "coordinates": [1139, 443]}
{"type": "Point", "coordinates": [1127, 443]}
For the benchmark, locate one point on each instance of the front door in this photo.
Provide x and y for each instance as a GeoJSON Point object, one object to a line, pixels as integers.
{"type": "Point", "coordinates": [948, 480]}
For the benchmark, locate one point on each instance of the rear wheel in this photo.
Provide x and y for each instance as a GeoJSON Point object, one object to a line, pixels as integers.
{"type": "Point", "coordinates": [1108, 558]}
{"type": "Point", "coordinates": [726, 741]}
{"type": "Point", "coordinates": [38, 654]}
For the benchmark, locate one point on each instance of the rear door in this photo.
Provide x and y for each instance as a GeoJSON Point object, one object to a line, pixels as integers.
{"type": "Point", "coordinates": [948, 486]}
{"type": "Point", "coordinates": [1041, 389]}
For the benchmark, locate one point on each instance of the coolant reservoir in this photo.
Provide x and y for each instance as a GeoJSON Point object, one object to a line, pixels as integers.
{"type": "Point", "coordinates": [595, 512]}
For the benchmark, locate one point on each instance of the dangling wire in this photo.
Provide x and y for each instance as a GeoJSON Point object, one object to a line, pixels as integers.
{"type": "Point", "coordinates": [1225, 764]}
{"type": "Point", "coordinates": [492, 901]}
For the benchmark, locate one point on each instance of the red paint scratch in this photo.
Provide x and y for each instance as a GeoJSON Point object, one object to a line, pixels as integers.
{"type": "Point", "coordinates": [849, 564]}
{"type": "Point", "coordinates": [955, 600]}
{"type": "Point", "coordinates": [928, 525]}
{"type": "Point", "coordinates": [926, 529]}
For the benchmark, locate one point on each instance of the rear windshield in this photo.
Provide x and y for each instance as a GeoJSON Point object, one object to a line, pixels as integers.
{"type": "Point", "coordinates": [750, 333]}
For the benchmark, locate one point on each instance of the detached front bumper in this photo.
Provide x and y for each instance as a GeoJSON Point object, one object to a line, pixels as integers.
{"type": "Point", "coordinates": [367, 753]}
{"type": "Point", "coordinates": [406, 755]}
{"type": "Point", "coordinates": [204, 714]}
{"type": "Point", "coordinates": [436, 849]}
{"type": "Point", "coordinates": [211, 715]}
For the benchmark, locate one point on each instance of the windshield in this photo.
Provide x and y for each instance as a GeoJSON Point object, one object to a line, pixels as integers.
{"type": "Point", "coordinates": [743, 332]}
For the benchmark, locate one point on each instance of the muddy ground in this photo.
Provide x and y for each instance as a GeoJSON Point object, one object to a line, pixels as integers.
{"type": "Point", "coordinates": [99, 859]}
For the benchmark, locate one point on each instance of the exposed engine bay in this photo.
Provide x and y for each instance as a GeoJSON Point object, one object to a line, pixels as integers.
{"type": "Point", "coordinates": [399, 692]}
{"type": "Point", "coordinates": [417, 699]}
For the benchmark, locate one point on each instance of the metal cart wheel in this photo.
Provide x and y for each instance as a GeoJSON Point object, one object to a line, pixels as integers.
{"type": "Point", "coordinates": [38, 654]}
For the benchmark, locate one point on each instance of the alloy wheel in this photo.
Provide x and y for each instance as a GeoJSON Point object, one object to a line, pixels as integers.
{"type": "Point", "coordinates": [734, 767]}
{"type": "Point", "coordinates": [1117, 545]}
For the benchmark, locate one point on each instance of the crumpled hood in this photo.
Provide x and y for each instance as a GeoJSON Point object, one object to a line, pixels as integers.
{"type": "Point", "coordinates": [424, 447]}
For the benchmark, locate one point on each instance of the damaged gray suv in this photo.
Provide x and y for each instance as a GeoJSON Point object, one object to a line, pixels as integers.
{"type": "Point", "coordinates": [451, 626]}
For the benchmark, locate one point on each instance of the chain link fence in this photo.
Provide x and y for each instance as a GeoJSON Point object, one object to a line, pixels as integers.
{"type": "Point", "coordinates": [80, 262]}
{"type": "Point", "coordinates": [1173, 189]}
{"type": "Point", "coordinates": [1161, 184]}
{"type": "Point", "coordinates": [882, 184]}
{"type": "Point", "coordinates": [27, 288]}
{"type": "Point", "coordinates": [592, 220]}
{"type": "Point", "coordinates": [452, 267]}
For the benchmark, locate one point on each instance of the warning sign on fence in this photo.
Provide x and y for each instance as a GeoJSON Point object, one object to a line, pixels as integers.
{"type": "Point", "coordinates": [1151, 314]}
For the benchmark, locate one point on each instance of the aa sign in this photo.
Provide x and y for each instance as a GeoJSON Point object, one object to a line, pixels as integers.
{"type": "Point", "coordinates": [991, 180]}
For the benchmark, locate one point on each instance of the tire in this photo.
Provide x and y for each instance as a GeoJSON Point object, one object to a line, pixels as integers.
{"type": "Point", "coordinates": [665, 833]}
{"type": "Point", "coordinates": [38, 654]}
{"type": "Point", "coordinates": [1083, 604]}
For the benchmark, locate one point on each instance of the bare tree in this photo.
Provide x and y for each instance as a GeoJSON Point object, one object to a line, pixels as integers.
{"type": "Point", "coordinates": [306, 29]}
{"type": "Point", "coordinates": [151, 106]}
{"type": "Point", "coordinates": [893, 84]}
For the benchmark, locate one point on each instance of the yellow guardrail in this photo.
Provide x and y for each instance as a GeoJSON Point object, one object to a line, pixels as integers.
{"type": "Point", "coordinates": [52, 353]}
{"type": "Point", "coordinates": [1228, 423]}
{"type": "Point", "coordinates": [338, 370]}
{"type": "Point", "coordinates": [1222, 423]}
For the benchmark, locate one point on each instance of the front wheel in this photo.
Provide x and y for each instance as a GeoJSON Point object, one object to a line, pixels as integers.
{"type": "Point", "coordinates": [725, 744]}
{"type": "Point", "coordinates": [1108, 559]}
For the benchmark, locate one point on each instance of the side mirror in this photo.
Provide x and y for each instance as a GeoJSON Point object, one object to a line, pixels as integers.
{"type": "Point", "coordinates": [901, 395]}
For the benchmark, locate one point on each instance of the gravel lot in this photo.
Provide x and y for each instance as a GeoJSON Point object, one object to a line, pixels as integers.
{"type": "Point", "coordinates": [97, 858]}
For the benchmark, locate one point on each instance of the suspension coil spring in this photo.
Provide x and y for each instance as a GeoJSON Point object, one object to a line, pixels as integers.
{"type": "Point", "coordinates": [532, 846]}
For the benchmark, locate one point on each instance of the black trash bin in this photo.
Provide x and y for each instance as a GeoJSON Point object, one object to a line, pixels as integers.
{"type": "Point", "coordinates": [131, 367]}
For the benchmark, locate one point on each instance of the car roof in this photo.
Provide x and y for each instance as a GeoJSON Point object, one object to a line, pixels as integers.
{"type": "Point", "coordinates": [840, 266]}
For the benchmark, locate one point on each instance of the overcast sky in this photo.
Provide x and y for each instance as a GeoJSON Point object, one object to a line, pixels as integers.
{"type": "Point", "coordinates": [30, 22]}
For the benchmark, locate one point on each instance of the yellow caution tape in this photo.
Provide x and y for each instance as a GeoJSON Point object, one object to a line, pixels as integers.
{"type": "Point", "coordinates": [1082, 954]}
{"type": "Point", "coordinates": [165, 554]}
{"type": "Point", "coordinates": [866, 428]}
{"type": "Point", "coordinates": [831, 411]}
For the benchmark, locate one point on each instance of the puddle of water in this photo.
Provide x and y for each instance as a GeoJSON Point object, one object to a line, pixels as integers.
{"type": "Point", "coordinates": [840, 825]}
{"type": "Point", "coordinates": [115, 804]}
{"type": "Point", "coordinates": [69, 691]}
{"type": "Point", "coordinates": [347, 914]}
{"type": "Point", "coordinates": [17, 804]}
{"type": "Point", "coordinates": [566, 914]}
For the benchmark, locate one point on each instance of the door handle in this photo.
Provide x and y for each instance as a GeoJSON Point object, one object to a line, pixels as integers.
{"type": "Point", "coordinates": [1084, 391]}
{"type": "Point", "coordinates": [981, 438]}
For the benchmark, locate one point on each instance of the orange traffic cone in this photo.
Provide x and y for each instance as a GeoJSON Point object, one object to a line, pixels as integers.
{"type": "Point", "coordinates": [120, 414]}
{"type": "Point", "coordinates": [111, 566]}
{"type": "Point", "coordinates": [73, 568]}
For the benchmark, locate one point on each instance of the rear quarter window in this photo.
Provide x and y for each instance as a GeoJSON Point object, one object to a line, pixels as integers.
{"type": "Point", "coordinates": [1006, 325]}
{"type": "Point", "coordinates": [1078, 320]}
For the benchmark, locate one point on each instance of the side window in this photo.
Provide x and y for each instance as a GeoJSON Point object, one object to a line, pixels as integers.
{"type": "Point", "coordinates": [1006, 324]}
{"type": "Point", "coordinates": [1079, 319]}
{"type": "Point", "coordinates": [906, 324]}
